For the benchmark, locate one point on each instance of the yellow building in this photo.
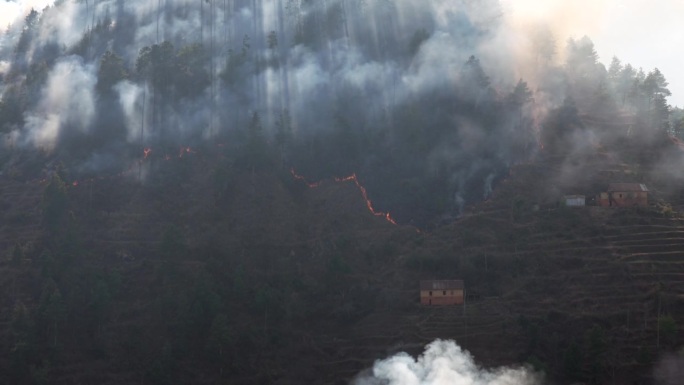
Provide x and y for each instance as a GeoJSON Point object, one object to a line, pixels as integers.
{"type": "Point", "coordinates": [441, 292]}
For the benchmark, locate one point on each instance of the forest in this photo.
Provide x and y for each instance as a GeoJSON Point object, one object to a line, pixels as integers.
{"type": "Point", "coordinates": [413, 99]}
{"type": "Point", "coordinates": [155, 158]}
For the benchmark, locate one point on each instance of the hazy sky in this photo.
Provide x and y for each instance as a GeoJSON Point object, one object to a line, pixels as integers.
{"type": "Point", "coordinates": [11, 9]}
{"type": "Point", "coordinates": [644, 33]}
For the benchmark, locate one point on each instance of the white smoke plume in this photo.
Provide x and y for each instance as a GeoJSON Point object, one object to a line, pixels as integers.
{"type": "Point", "coordinates": [67, 103]}
{"type": "Point", "coordinates": [443, 363]}
{"type": "Point", "coordinates": [130, 98]}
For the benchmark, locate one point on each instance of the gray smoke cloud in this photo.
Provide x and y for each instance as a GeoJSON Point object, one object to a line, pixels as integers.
{"type": "Point", "coordinates": [443, 363]}
{"type": "Point", "coordinates": [354, 69]}
{"type": "Point", "coordinates": [364, 58]}
{"type": "Point", "coordinates": [388, 75]}
{"type": "Point", "coordinates": [67, 103]}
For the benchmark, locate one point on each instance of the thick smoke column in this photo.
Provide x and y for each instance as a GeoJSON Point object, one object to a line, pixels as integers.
{"type": "Point", "coordinates": [443, 363]}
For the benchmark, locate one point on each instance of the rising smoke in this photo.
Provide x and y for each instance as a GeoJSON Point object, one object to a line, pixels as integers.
{"type": "Point", "coordinates": [419, 99]}
{"type": "Point", "coordinates": [67, 103]}
{"type": "Point", "coordinates": [443, 363]}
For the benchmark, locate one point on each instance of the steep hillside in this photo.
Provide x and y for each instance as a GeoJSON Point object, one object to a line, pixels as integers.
{"type": "Point", "coordinates": [205, 272]}
{"type": "Point", "coordinates": [204, 192]}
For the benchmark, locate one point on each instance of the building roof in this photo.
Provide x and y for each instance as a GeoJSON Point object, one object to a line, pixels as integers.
{"type": "Point", "coordinates": [441, 284]}
{"type": "Point", "coordinates": [628, 187]}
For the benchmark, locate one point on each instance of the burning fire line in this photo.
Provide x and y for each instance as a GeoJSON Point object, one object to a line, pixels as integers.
{"type": "Point", "coordinates": [299, 177]}
{"type": "Point", "coordinates": [187, 150]}
{"type": "Point", "coordinates": [354, 179]}
{"type": "Point", "coordinates": [369, 204]}
{"type": "Point", "coordinates": [147, 151]}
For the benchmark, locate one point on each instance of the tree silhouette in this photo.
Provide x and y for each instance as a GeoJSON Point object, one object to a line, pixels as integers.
{"type": "Point", "coordinates": [111, 72]}
{"type": "Point", "coordinates": [55, 203]}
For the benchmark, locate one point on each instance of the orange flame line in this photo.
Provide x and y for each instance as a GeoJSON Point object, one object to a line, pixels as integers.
{"type": "Point", "coordinates": [353, 178]}
{"type": "Point", "coordinates": [146, 154]}
{"type": "Point", "coordinates": [369, 204]}
{"type": "Point", "coordinates": [299, 177]}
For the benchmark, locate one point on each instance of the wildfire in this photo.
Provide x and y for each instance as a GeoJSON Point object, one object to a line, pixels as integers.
{"type": "Point", "coordinates": [299, 177]}
{"type": "Point", "coordinates": [147, 151]}
{"type": "Point", "coordinates": [185, 150]}
{"type": "Point", "coordinates": [354, 179]}
{"type": "Point", "coordinates": [369, 204]}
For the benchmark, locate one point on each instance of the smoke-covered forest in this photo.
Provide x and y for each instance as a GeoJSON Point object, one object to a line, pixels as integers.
{"type": "Point", "coordinates": [154, 160]}
{"type": "Point", "coordinates": [428, 103]}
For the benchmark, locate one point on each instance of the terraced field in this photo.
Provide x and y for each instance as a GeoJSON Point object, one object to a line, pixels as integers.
{"type": "Point", "coordinates": [541, 280]}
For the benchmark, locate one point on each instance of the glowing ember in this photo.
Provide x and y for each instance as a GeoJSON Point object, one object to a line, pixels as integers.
{"type": "Point", "coordinates": [146, 154]}
{"type": "Point", "coordinates": [299, 177]}
{"type": "Point", "coordinates": [185, 150]}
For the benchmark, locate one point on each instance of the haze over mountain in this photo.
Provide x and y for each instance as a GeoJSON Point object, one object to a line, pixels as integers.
{"type": "Point", "coordinates": [610, 24]}
{"type": "Point", "coordinates": [250, 191]}
{"type": "Point", "coordinates": [428, 104]}
{"type": "Point", "coordinates": [617, 28]}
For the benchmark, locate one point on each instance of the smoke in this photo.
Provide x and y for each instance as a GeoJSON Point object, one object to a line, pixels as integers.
{"type": "Point", "coordinates": [11, 10]}
{"type": "Point", "coordinates": [565, 18]}
{"type": "Point", "coordinates": [488, 186]}
{"type": "Point", "coordinates": [4, 67]}
{"type": "Point", "coordinates": [67, 105]}
{"type": "Point", "coordinates": [343, 69]}
{"type": "Point", "coordinates": [130, 99]}
{"type": "Point", "coordinates": [443, 363]}
{"type": "Point", "coordinates": [401, 92]}
{"type": "Point", "coordinates": [63, 25]}
{"type": "Point", "coordinates": [669, 370]}
{"type": "Point", "coordinates": [321, 59]}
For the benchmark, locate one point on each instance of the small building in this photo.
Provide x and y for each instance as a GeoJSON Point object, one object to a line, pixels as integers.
{"type": "Point", "coordinates": [574, 200]}
{"type": "Point", "coordinates": [441, 292]}
{"type": "Point", "coordinates": [624, 195]}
